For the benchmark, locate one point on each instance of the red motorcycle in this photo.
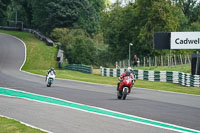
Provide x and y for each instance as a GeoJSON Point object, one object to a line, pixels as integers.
{"type": "Point", "coordinates": [125, 86]}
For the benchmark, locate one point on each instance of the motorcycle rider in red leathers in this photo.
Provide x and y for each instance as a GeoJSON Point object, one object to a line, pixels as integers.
{"type": "Point", "coordinates": [126, 73]}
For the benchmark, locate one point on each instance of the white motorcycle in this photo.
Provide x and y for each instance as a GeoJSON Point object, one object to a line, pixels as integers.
{"type": "Point", "coordinates": [50, 78]}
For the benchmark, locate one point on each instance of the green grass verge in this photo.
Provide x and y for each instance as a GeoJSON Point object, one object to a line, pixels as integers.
{"type": "Point", "coordinates": [13, 126]}
{"type": "Point", "coordinates": [186, 68]}
{"type": "Point", "coordinates": [39, 56]}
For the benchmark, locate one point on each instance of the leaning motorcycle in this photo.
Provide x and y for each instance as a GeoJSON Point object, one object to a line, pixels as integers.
{"type": "Point", "coordinates": [124, 87]}
{"type": "Point", "coordinates": [50, 79]}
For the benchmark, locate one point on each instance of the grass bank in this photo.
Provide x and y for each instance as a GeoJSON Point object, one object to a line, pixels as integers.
{"type": "Point", "coordinates": [186, 68]}
{"type": "Point", "coordinates": [13, 126]}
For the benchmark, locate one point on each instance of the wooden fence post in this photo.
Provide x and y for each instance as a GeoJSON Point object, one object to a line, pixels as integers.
{"type": "Point", "coordinates": [155, 61]}
{"type": "Point", "coordinates": [168, 60]}
{"type": "Point", "coordinates": [149, 61]}
{"type": "Point", "coordinates": [189, 59]}
{"type": "Point", "coordinates": [185, 59]}
{"type": "Point", "coordinates": [181, 59]}
{"type": "Point", "coordinates": [175, 60]}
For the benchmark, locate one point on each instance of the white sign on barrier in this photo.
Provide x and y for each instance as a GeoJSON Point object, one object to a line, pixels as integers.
{"type": "Point", "coordinates": [185, 40]}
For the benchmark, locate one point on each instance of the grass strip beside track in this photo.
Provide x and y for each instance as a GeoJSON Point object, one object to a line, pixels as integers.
{"type": "Point", "coordinates": [186, 68]}
{"type": "Point", "coordinates": [13, 126]}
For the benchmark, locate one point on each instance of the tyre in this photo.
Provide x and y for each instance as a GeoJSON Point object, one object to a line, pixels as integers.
{"type": "Point", "coordinates": [119, 95]}
{"type": "Point", "coordinates": [48, 85]}
{"type": "Point", "coordinates": [124, 96]}
{"type": "Point", "coordinates": [124, 93]}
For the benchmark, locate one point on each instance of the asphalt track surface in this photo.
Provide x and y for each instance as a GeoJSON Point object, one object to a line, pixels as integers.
{"type": "Point", "coordinates": [173, 108]}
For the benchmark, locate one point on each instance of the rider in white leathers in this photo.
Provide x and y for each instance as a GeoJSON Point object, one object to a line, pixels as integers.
{"type": "Point", "coordinates": [49, 71]}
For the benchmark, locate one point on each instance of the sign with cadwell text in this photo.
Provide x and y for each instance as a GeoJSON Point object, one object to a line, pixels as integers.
{"type": "Point", "coordinates": [185, 40]}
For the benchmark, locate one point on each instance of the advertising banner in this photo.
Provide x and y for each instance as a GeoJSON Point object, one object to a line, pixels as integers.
{"type": "Point", "coordinates": [185, 40]}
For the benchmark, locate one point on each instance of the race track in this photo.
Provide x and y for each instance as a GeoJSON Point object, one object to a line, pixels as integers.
{"type": "Point", "coordinates": [178, 109]}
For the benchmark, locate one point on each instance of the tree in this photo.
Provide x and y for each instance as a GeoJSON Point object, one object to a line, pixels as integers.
{"type": "Point", "coordinates": [3, 11]}
{"type": "Point", "coordinates": [99, 5]}
{"type": "Point", "coordinates": [195, 13]}
{"type": "Point", "coordinates": [161, 17]}
{"type": "Point", "coordinates": [23, 8]}
{"type": "Point", "coordinates": [83, 51]}
{"type": "Point", "coordinates": [136, 24]}
{"type": "Point", "coordinates": [40, 14]}
{"type": "Point", "coordinates": [80, 48]}
{"type": "Point", "coordinates": [46, 15]}
{"type": "Point", "coordinates": [111, 26]}
{"type": "Point", "coordinates": [190, 8]}
{"type": "Point", "coordinates": [195, 26]}
{"type": "Point", "coordinates": [72, 14]}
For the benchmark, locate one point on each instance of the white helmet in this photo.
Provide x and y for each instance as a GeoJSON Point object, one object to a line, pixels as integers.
{"type": "Point", "coordinates": [129, 68]}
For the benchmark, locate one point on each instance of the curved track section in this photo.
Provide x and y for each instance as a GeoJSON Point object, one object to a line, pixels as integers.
{"type": "Point", "coordinates": [12, 53]}
{"type": "Point", "coordinates": [173, 108]}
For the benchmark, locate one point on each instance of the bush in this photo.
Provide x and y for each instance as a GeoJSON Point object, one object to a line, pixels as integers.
{"type": "Point", "coordinates": [80, 48]}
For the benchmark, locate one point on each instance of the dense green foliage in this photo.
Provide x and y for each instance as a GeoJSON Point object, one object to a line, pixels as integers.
{"type": "Point", "coordinates": [95, 32]}
{"type": "Point", "coordinates": [136, 23]}
{"type": "Point", "coordinates": [80, 48]}
{"type": "Point", "coordinates": [76, 13]}
{"type": "Point", "coordinates": [3, 9]}
{"type": "Point", "coordinates": [46, 15]}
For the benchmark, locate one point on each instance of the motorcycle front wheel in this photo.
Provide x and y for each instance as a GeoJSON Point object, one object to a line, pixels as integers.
{"type": "Point", "coordinates": [119, 95]}
{"type": "Point", "coordinates": [124, 93]}
{"type": "Point", "coordinates": [124, 96]}
{"type": "Point", "coordinates": [48, 85]}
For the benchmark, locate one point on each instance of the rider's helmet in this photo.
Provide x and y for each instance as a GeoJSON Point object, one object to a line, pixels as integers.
{"type": "Point", "coordinates": [128, 72]}
{"type": "Point", "coordinates": [129, 68]}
